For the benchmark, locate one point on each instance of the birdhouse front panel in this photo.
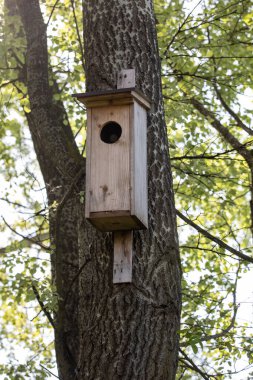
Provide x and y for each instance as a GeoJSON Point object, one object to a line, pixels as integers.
{"type": "Point", "coordinates": [109, 188]}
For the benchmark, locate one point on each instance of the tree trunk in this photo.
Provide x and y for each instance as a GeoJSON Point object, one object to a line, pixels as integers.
{"type": "Point", "coordinates": [106, 331]}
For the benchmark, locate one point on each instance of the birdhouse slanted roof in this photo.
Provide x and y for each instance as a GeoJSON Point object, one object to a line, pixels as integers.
{"type": "Point", "coordinates": [113, 97]}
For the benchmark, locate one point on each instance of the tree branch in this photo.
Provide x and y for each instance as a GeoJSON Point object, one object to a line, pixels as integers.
{"type": "Point", "coordinates": [14, 203]}
{"type": "Point", "coordinates": [49, 372]}
{"type": "Point", "coordinates": [53, 139]}
{"type": "Point", "coordinates": [209, 157]}
{"type": "Point", "coordinates": [193, 366]}
{"type": "Point", "coordinates": [215, 239]}
{"type": "Point", "coordinates": [231, 325]}
{"type": "Point", "coordinates": [31, 240]}
{"type": "Point", "coordinates": [78, 34]}
{"type": "Point", "coordinates": [25, 243]}
{"type": "Point", "coordinates": [43, 307]}
{"type": "Point", "coordinates": [9, 82]}
{"type": "Point", "coordinates": [231, 112]}
{"type": "Point", "coordinates": [52, 12]}
{"type": "Point", "coordinates": [180, 29]}
{"type": "Point", "coordinates": [209, 115]}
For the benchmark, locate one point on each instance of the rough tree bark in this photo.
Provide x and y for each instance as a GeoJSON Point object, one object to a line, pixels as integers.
{"type": "Point", "coordinates": [106, 331]}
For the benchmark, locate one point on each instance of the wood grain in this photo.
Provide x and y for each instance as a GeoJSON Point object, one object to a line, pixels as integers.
{"type": "Point", "coordinates": [88, 168]}
{"type": "Point", "coordinates": [126, 78]}
{"type": "Point", "coordinates": [109, 163]}
{"type": "Point", "coordinates": [139, 203]}
{"type": "Point", "coordinates": [123, 253]}
{"type": "Point", "coordinates": [115, 97]}
{"type": "Point", "coordinates": [117, 173]}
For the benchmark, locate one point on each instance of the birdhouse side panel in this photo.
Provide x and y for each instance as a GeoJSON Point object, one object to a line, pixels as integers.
{"type": "Point", "coordinates": [109, 160]}
{"type": "Point", "coordinates": [139, 164]}
{"type": "Point", "coordinates": [88, 174]}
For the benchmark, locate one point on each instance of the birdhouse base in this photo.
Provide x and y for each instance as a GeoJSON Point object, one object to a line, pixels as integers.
{"type": "Point", "coordinates": [107, 221]}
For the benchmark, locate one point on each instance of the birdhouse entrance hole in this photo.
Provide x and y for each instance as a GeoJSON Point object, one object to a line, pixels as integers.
{"type": "Point", "coordinates": [110, 132]}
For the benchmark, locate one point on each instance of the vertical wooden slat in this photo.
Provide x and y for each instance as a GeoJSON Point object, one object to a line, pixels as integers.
{"type": "Point", "coordinates": [88, 155]}
{"type": "Point", "coordinates": [126, 79]}
{"type": "Point", "coordinates": [139, 177]}
{"type": "Point", "coordinates": [123, 253]}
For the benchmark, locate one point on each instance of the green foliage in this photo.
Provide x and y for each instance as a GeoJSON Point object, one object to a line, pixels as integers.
{"type": "Point", "coordinates": [206, 55]}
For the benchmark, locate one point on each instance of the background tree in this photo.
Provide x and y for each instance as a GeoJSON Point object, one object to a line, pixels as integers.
{"type": "Point", "coordinates": [206, 57]}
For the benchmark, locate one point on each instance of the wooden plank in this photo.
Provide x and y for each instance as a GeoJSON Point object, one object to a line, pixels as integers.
{"type": "Point", "coordinates": [123, 254]}
{"type": "Point", "coordinates": [88, 154]}
{"type": "Point", "coordinates": [141, 99]}
{"type": "Point", "coordinates": [110, 163]}
{"type": "Point", "coordinates": [115, 214]}
{"type": "Point", "coordinates": [126, 79]}
{"type": "Point", "coordinates": [95, 103]}
{"type": "Point", "coordinates": [132, 156]}
{"type": "Point", "coordinates": [95, 94]}
{"type": "Point", "coordinates": [139, 196]}
{"type": "Point", "coordinates": [115, 97]}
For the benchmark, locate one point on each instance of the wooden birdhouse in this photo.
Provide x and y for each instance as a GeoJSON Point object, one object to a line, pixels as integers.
{"type": "Point", "coordinates": [116, 159]}
{"type": "Point", "coordinates": [116, 166]}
